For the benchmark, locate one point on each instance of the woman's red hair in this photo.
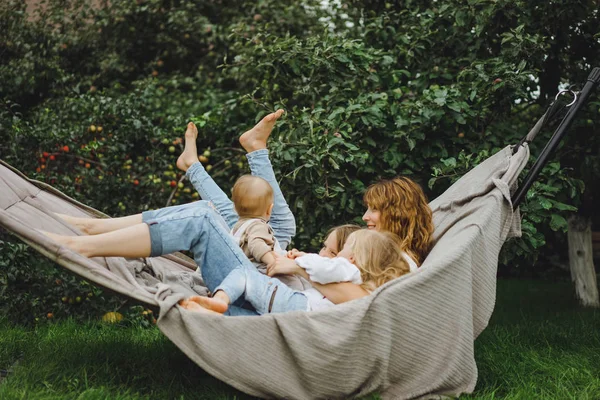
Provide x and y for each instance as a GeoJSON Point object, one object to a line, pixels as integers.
{"type": "Point", "coordinates": [405, 212]}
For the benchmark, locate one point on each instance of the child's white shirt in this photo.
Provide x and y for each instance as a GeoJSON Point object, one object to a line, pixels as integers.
{"type": "Point", "coordinates": [329, 270]}
{"type": "Point", "coordinates": [325, 270]}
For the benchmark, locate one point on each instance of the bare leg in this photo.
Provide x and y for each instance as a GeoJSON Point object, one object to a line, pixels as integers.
{"type": "Point", "coordinates": [201, 180]}
{"type": "Point", "coordinates": [95, 226]}
{"type": "Point", "coordinates": [131, 242]}
{"type": "Point", "coordinates": [256, 138]}
{"type": "Point", "coordinates": [190, 152]}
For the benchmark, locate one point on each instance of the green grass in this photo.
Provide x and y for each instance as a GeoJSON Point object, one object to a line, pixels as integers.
{"type": "Point", "coordinates": [539, 344]}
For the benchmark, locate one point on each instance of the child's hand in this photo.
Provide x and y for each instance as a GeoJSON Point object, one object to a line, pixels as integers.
{"type": "Point", "coordinates": [283, 265]}
{"type": "Point", "coordinates": [295, 253]}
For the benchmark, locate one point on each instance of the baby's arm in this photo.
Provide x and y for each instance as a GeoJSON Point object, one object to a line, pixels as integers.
{"type": "Point", "coordinates": [260, 243]}
{"type": "Point", "coordinates": [329, 270]}
{"type": "Point", "coordinates": [268, 258]}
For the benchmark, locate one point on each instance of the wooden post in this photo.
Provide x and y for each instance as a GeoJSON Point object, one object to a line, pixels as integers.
{"type": "Point", "coordinates": [581, 261]}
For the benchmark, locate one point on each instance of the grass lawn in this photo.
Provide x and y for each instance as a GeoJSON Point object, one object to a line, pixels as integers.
{"type": "Point", "coordinates": [539, 344]}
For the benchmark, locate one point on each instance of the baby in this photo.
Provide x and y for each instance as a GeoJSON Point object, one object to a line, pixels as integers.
{"type": "Point", "coordinates": [253, 201]}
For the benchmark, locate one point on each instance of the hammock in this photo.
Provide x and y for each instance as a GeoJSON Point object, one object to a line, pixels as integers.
{"type": "Point", "coordinates": [412, 338]}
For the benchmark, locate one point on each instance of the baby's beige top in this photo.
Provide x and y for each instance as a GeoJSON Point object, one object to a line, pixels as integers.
{"type": "Point", "coordinates": [257, 240]}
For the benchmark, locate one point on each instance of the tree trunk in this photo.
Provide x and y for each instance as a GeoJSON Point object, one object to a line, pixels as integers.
{"type": "Point", "coordinates": [581, 261]}
{"type": "Point", "coordinates": [596, 245]}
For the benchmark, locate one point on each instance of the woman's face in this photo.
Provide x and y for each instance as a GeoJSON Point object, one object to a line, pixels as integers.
{"type": "Point", "coordinates": [330, 249]}
{"type": "Point", "coordinates": [371, 218]}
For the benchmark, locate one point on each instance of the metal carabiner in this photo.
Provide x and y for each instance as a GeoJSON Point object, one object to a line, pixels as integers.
{"type": "Point", "coordinates": [567, 91]}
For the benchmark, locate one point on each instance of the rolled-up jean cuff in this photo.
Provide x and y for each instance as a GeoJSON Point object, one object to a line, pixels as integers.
{"type": "Point", "coordinates": [155, 238]}
{"type": "Point", "coordinates": [257, 154]}
{"type": "Point", "coordinates": [196, 167]}
{"type": "Point", "coordinates": [228, 291]}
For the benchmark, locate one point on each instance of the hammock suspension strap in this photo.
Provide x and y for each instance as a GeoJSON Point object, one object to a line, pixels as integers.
{"type": "Point", "coordinates": [579, 99]}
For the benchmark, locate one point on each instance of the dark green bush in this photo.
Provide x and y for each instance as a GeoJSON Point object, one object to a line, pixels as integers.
{"type": "Point", "coordinates": [34, 290]}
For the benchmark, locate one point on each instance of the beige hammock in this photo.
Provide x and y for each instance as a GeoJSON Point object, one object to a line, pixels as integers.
{"type": "Point", "coordinates": [413, 337]}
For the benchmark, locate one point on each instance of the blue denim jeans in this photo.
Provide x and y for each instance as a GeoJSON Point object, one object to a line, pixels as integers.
{"type": "Point", "coordinates": [199, 228]}
{"type": "Point", "coordinates": [282, 220]}
{"type": "Point", "coordinates": [265, 294]}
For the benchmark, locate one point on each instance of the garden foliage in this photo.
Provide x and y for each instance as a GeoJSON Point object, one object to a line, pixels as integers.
{"type": "Point", "coordinates": [94, 100]}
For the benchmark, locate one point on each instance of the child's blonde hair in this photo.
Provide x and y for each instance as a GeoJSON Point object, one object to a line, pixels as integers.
{"type": "Point", "coordinates": [378, 257]}
{"type": "Point", "coordinates": [252, 196]}
{"type": "Point", "coordinates": [405, 212]}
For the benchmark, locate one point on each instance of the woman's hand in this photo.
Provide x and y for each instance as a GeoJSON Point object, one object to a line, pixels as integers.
{"type": "Point", "coordinates": [295, 253]}
{"type": "Point", "coordinates": [283, 265]}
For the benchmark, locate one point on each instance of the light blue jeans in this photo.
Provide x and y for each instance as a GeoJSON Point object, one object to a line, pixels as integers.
{"type": "Point", "coordinates": [267, 295]}
{"type": "Point", "coordinates": [282, 220]}
{"type": "Point", "coordinates": [199, 228]}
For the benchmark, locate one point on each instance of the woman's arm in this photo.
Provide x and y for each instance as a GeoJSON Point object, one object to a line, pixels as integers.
{"type": "Point", "coordinates": [341, 292]}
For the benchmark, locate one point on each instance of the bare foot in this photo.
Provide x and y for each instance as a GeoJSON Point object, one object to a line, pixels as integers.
{"type": "Point", "coordinates": [82, 223]}
{"type": "Point", "coordinates": [66, 241]}
{"type": "Point", "coordinates": [256, 138]}
{"type": "Point", "coordinates": [190, 152]}
{"type": "Point", "coordinates": [204, 304]}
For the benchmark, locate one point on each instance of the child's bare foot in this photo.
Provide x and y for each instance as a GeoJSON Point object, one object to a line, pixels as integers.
{"type": "Point", "coordinates": [256, 138]}
{"type": "Point", "coordinates": [204, 304]}
{"type": "Point", "coordinates": [83, 224]}
{"type": "Point", "coordinates": [190, 152]}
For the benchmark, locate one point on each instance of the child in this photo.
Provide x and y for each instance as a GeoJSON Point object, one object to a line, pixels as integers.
{"type": "Point", "coordinates": [368, 259]}
{"type": "Point", "coordinates": [252, 199]}
{"type": "Point", "coordinates": [333, 243]}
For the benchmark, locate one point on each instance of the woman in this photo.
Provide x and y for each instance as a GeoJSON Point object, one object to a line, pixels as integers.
{"type": "Point", "coordinates": [399, 206]}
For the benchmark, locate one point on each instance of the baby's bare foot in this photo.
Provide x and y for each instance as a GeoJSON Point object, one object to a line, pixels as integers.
{"type": "Point", "coordinates": [204, 304]}
{"type": "Point", "coordinates": [256, 138]}
{"type": "Point", "coordinates": [190, 152]}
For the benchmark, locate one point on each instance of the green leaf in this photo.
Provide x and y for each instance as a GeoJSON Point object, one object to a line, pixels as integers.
{"type": "Point", "coordinates": [557, 222]}
{"type": "Point", "coordinates": [545, 203]}
{"type": "Point", "coordinates": [563, 207]}
{"type": "Point", "coordinates": [455, 107]}
{"type": "Point", "coordinates": [449, 162]}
